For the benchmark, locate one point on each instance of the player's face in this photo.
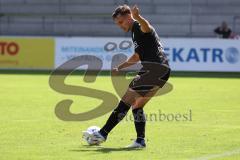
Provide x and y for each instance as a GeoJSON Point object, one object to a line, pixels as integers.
{"type": "Point", "coordinates": [123, 22]}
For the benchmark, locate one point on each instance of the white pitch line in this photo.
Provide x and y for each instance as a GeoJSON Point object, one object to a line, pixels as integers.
{"type": "Point", "coordinates": [221, 155]}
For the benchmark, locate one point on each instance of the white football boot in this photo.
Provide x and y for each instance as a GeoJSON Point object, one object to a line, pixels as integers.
{"type": "Point", "coordinates": [135, 144]}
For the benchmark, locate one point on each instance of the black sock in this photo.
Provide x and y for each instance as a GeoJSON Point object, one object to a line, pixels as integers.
{"type": "Point", "coordinates": [140, 122]}
{"type": "Point", "coordinates": [117, 115]}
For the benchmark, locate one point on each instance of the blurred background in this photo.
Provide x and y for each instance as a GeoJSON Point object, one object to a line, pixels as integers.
{"type": "Point", "coordinates": [171, 18]}
{"type": "Point", "coordinates": [203, 34]}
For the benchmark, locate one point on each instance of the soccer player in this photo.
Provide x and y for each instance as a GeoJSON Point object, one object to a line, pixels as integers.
{"type": "Point", "coordinates": [153, 75]}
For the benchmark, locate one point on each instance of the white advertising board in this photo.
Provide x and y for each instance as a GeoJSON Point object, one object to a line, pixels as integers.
{"type": "Point", "coordinates": [184, 54]}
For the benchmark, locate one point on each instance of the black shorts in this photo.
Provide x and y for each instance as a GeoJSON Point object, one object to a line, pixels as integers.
{"type": "Point", "coordinates": [148, 78]}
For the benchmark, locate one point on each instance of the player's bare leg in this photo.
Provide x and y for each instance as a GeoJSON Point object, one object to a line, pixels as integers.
{"type": "Point", "coordinates": [141, 101]}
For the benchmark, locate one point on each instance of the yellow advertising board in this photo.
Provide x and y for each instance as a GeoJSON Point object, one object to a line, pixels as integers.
{"type": "Point", "coordinates": [27, 53]}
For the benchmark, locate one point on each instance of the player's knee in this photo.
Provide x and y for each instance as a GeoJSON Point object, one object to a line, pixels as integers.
{"type": "Point", "coordinates": [140, 103]}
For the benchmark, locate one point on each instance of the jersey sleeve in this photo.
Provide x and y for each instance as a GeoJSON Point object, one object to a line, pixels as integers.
{"type": "Point", "coordinates": [140, 32]}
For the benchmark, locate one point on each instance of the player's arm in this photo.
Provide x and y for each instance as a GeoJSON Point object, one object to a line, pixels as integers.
{"type": "Point", "coordinates": [145, 26]}
{"type": "Point", "coordinates": [130, 61]}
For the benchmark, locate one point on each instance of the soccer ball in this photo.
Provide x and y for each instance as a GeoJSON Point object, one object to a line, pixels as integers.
{"type": "Point", "coordinates": [87, 135]}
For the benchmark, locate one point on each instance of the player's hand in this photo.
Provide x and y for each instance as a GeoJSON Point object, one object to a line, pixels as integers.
{"type": "Point", "coordinates": [135, 12]}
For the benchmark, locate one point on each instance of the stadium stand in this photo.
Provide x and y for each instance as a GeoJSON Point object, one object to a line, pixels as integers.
{"type": "Point", "coordinates": [171, 18]}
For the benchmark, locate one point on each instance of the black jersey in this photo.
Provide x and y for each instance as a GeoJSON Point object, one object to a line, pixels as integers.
{"type": "Point", "coordinates": [148, 45]}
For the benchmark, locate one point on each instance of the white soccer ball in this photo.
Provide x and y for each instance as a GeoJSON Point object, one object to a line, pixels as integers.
{"type": "Point", "coordinates": [87, 135]}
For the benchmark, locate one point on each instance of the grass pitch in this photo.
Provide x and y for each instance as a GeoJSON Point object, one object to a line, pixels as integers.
{"type": "Point", "coordinates": [30, 130]}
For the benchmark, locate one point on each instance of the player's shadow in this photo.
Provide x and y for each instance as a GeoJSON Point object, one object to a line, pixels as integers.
{"type": "Point", "coordinates": [101, 149]}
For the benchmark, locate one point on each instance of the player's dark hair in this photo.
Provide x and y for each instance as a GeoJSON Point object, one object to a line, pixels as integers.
{"type": "Point", "coordinates": [121, 10]}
